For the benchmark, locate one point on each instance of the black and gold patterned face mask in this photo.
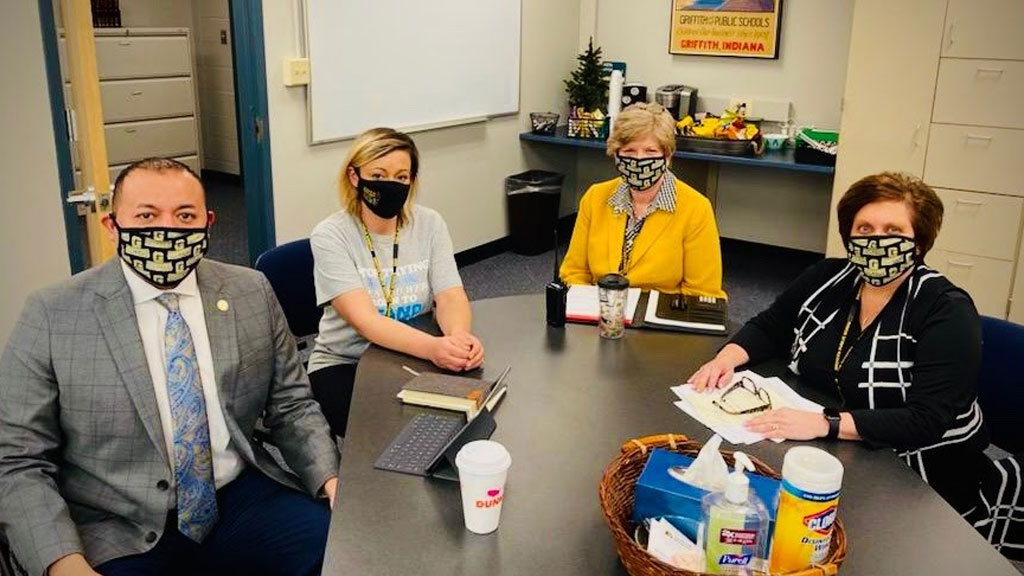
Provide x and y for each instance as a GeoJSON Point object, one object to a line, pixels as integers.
{"type": "Point", "coordinates": [162, 256]}
{"type": "Point", "coordinates": [641, 173]}
{"type": "Point", "coordinates": [882, 259]}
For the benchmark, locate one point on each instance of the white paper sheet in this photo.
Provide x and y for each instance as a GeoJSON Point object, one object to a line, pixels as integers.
{"type": "Point", "coordinates": [698, 406]}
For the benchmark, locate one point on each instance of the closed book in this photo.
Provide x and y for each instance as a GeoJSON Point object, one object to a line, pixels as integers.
{"type": "Point", "coordinates": [447, 392]}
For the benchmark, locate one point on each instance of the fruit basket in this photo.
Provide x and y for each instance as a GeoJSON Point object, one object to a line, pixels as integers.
{"type": "Point", "coordinates": [731, 134]}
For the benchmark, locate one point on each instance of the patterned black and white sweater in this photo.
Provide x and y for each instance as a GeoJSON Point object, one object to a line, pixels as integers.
{"type": "Point", "coordinates": [909, 381]}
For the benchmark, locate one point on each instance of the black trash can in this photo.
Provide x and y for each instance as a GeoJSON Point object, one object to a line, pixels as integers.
{"type": "Point", "coordinates": [533, 200]}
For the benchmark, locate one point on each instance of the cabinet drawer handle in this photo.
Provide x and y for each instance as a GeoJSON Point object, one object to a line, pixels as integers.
{"type": "Point", "coordinates": [125, 43]}
{"type": "Point", "coordinates": [961, 264]}
{"type": "Point", "coordinates": [990, 71]}
{"type": "Point", "coordinates": [136, 92]}
{"type": "Point", "coordinates": [129, 130]}
{"type": "Point", "coordinates": [979, 138]}
{"type": "Point", "coordinates": [970, 202]}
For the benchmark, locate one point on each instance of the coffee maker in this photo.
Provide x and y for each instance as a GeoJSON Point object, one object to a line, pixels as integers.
{"type": "Point", "coordinates": [680, 100]}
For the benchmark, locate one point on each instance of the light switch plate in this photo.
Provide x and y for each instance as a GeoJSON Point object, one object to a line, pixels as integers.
{"type": "Point", "coordinates": [296, 72]}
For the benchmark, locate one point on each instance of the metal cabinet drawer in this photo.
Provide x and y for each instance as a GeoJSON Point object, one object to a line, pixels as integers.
{"type": "Point", "coordinates": [980, 224]}
{"type": "Point", "coordinates": [984, 29]}
{"type": "Point", "coordinates": [127, 100]}
{"type": "Point", "coordinates": [987, 280]}
{"type": "Point", "coordinates": [190, 161]}
{"type": "Point", "coordinates": [975, 158]}
{"type": "Point", "coordinates": [980, 92]}
{"type": "Point", "coordinates": [136, 140]}
{"type": "Point", "coordinates": [119, 57]}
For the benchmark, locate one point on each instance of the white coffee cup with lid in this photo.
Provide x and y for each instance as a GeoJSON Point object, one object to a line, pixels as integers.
{"type": "Point", "coordinates": [483, 468]}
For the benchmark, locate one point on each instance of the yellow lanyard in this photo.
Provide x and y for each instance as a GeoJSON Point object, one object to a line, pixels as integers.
{"type": "Point", "coordinates": [389, 292]}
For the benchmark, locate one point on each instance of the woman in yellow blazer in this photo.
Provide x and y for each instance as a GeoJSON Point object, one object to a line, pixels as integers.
{"type": "Point", "coordinates": [646, 224]}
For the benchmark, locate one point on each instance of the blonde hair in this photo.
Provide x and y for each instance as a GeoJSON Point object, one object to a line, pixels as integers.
{"type": "Point", "coordinates": [640, 120]}
{"type": "Point", "coordinates": [370, 145]}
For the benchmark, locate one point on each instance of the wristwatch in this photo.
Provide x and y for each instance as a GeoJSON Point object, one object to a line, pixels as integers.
{"type": "Point", "coordinates": [832, 417]}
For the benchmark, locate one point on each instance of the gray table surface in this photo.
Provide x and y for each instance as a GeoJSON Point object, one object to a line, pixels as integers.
{"type": "Point", "coordinates": [573, 400]}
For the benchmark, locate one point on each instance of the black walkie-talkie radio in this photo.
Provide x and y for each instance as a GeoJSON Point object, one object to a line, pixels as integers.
{"type": "Point", "coordinates": [556, 292]}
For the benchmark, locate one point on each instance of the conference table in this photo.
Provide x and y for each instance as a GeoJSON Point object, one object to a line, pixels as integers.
{"type": "Point", "coordinates": [573, 399]}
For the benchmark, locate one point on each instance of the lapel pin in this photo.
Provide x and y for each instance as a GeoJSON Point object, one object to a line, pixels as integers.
{"type": "Point", "coordinates": [222, 305]}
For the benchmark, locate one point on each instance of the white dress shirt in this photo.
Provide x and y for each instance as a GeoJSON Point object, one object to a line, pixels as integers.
{"type": "Point", "coordinates": [152, 319]}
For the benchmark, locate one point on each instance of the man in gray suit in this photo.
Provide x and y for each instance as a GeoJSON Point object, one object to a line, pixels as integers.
{"type": "Point", "coordinates": [128, 398]}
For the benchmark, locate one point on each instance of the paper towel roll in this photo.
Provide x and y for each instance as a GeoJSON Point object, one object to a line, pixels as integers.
{"type": "Point", "coordinates": [615, 96]}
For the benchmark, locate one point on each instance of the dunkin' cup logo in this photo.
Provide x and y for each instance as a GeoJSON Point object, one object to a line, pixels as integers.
{"type": "Point", "coordinates": [494, 497]}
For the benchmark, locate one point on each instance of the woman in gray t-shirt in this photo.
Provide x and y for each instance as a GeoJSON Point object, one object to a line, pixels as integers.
{"type": "Point", "coordinates": [380, 262]}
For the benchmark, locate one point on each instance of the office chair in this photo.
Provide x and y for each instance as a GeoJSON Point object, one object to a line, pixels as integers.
{"type": "Point", "coordinates": [289, 268]}
{"type": "Point", "coordinates": [1001, 382]}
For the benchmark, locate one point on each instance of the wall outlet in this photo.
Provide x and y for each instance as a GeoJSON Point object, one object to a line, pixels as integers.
{"type": "Point", "coordinates": [296, 72]}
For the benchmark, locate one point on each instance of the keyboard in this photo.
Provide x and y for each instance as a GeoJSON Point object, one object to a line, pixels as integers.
{"type": "Point", "coordinates": [418, 443]}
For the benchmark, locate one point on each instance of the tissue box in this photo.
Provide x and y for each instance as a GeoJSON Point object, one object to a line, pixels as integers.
{"type": "Point", "coordinates": [659, 494]}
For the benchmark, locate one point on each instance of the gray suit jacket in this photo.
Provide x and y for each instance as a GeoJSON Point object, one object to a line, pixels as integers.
{"type": "Point", "coordinates": [83, 463]}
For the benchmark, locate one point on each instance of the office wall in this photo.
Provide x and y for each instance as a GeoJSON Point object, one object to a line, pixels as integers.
{"type": "Point", "coordinates": [782, 208]}
{"type": "Point", "coordinates": [215, 71]}
{"type": "Point", "coordinates": [33, 247]}
{"type": "Point", "coordinates": [462, 167]}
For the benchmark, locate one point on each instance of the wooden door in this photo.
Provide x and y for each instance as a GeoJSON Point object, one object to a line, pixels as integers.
{"type": "Point", "coordinates": [90, 142]}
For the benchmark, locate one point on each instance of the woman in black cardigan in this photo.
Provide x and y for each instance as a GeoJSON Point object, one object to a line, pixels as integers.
{"type": "Point", "coordinates": [897, 344]}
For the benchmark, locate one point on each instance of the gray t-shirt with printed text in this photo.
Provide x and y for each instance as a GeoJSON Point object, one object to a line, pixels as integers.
{"type": "Point", "coordinates": [342, 263]}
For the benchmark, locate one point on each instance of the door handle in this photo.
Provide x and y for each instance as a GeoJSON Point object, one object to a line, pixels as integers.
{"type": "Point", "coordinates": [89, 200]}
{"type": "Point", "coordinates": [970, 202]}
{"type": "Point", "coordinates": [978, 138]}
{"type": "Point", "coordinates": [959, 264]}
{"type": "Point", "coordinates": [916, 140]}
{"type": "Point", "coordinates": [989, 72]}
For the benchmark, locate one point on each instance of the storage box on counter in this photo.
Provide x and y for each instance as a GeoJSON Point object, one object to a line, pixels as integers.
{"type": "Point", "coordinates": [658, 494]}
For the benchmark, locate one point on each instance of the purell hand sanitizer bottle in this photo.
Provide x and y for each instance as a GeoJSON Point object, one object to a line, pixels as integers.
{"type": "Point", "coordinates": [735, 525]}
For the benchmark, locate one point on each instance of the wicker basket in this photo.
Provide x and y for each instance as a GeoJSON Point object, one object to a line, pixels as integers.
{"type": "Point", "coordinates": [617, 490]}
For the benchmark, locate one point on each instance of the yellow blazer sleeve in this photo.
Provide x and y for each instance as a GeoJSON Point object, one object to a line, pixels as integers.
{"type": "Point", "coordinates": [575, 267]}
{"type": "Point", "coordinates": [702, 263]}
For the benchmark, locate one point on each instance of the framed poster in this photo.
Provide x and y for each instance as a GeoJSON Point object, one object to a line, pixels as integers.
{"type": "Point", "coordinates": [740, 28]}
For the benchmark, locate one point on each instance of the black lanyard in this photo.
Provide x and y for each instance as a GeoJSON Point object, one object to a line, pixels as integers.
{"type": "Point", "coordinates": [389, 292]}
{"type": "Point", "coordinates": [841, 357]}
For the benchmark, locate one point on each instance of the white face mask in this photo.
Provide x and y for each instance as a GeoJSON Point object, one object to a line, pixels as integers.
{"type": "Point", "coordinates": [882, 259]}
{"type": "Point", "coordinates": [641, 173]}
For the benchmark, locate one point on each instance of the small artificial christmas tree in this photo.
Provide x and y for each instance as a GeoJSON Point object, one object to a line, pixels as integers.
{"type": "Point", "coordinates": [588, 95]}
{"type": "Point", "coordinates": [588, 86]}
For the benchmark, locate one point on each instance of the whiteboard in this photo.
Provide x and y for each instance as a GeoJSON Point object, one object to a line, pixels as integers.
{"type": "Point", "coordinates": [409, 64]}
